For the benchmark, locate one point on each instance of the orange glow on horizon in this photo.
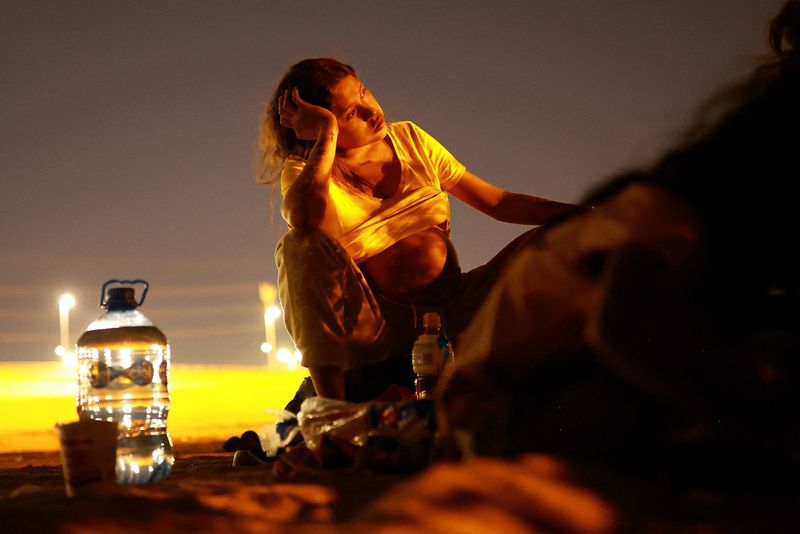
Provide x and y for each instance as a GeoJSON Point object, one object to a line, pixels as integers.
{"type": "Point", "coordinates": [207, 402]}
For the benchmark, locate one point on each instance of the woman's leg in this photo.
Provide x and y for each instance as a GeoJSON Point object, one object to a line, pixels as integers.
{"type": "Point", "coordinates": [334, 318]}
{"type": "Point", "coordinates": [329, 309]}
{"type": "Point", "coordinates": [477, 283]}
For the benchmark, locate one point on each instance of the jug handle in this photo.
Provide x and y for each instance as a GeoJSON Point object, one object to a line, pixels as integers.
{"type": "Point", "coordinates": [123, 282]}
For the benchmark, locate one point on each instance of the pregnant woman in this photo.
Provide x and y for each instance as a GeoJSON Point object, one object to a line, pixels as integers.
{"type": "Point", "coordinates": [368, 248]}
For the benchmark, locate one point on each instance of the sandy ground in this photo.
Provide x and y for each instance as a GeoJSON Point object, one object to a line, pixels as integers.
{"type": "Point", "coordinates": [532, 493]}
{"type": "Point", "coordinates": [204, 493]}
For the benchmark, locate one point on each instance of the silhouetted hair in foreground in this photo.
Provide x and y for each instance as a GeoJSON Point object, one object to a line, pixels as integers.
{"type": "Point", "coordinates": [660, 333]}
{"type": "Point", "coordinates": [314, 79]}
{"type": "Point", "coordinates": [736, 166]}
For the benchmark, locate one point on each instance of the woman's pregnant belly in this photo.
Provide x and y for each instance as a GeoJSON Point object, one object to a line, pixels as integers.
{"type": "Point", "coordinates": [414, 267]}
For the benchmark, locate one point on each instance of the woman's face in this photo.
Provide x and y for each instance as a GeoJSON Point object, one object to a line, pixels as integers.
{"type": "Point", "coordinates": [359, 115]}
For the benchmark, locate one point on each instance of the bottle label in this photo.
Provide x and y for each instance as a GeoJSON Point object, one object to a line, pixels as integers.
{"type": "Point", "coordinates": [429, 353]}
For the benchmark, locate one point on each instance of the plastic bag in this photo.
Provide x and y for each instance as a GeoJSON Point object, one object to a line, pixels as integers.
{"type": "Point", "coordinates": [384, 436]}
{"type": "Point", "coordinates": [281, 434]}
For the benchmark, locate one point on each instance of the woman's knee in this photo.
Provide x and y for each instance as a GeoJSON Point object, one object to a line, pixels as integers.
{"type": "Point", "coordinates": [309, 249]}
{"type": "Point", "coordinates": [303, 239]}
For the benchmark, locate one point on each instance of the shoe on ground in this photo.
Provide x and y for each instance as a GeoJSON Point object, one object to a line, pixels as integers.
{"type": "Point", "coordinates": [246, 458]}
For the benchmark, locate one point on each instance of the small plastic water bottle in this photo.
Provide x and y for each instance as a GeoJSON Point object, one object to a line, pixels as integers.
{"type": "Point", "coordinates": [431, 355]}
{"type": "Point", "coordinates": [123, 376]}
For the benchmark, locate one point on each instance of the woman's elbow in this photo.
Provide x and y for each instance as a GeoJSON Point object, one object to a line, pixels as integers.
{"type": "Point", "coordinates": [496, 212]}
{"type": "Point", "coordinates": [307, 216]}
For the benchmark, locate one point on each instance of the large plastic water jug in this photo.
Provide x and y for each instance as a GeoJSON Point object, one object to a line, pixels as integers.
{"type": "Point", "coordinates": [123, 376]}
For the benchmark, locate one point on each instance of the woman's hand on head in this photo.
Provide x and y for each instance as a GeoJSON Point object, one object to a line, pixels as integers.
{"type": "Point", "coordinates": [305, 119]}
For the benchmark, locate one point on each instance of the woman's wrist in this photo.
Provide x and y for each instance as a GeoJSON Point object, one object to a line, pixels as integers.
{"type": "Point", "coordinates": [328, 130]}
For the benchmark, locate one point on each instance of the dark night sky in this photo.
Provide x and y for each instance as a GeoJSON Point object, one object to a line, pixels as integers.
{"type": "Point", "coordinates": [128, 131]}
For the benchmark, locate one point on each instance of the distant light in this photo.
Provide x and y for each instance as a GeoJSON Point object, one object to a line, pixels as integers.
{"type": "Point", "coordinates": [289, 358]}
{"type": "Point", "coordinates": [266, 347]}
{"type": "Point", "coordinates": [68, 358]}
{"type": "Point", "coordinates": [66, 302]}
{"type": "Point", "coordinates": [267, 293]}
{"type": "Point", "coordinates": [284, 355]}
{"type": "Point", "coordinates": [272, 313]}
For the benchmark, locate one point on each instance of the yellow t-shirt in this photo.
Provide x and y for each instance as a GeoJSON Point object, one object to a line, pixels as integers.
{"type": "Point", "coordinates": [365, 225]}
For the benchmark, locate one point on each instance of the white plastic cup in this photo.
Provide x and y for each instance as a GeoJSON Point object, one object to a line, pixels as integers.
{"type": "Point", "coordinates": [88, 456]}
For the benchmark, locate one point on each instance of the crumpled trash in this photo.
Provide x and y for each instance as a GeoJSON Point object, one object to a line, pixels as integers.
{"type": "Point", "coordinates": [382, 436]}
{"type": "Point", "coordinates": [281, 434]}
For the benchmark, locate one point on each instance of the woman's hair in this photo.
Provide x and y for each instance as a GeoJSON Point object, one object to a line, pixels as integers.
{"type": "Point", "coordinates": [315, 79]}
{"type": "Point", "coordinates": [737, 167]}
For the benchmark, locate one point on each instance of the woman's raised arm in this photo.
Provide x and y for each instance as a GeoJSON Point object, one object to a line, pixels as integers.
{"type": "Point", "coordinates": [306, 201]}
